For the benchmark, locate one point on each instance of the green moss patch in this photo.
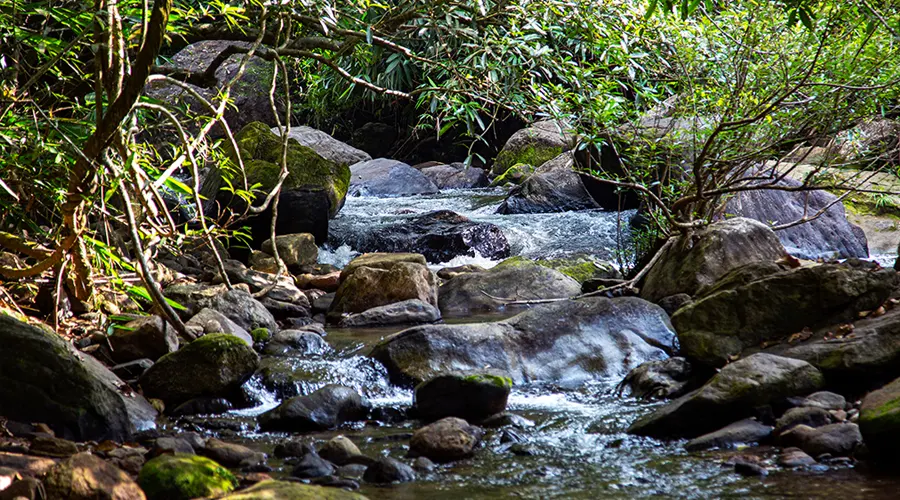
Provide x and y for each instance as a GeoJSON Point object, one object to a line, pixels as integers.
{"type": "Point", "coordinates": [183, 477]}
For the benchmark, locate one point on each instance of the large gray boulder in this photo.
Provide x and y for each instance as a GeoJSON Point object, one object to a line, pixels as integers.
{"type": "Point", "coordinates": [384, 177]}
{"type": "Point", "coordinates": [534, 146]}
{"type": "Point", "coordinates": [554, 187]}
{"type": "Point", "coordinates": [328, 147]}
{"type": "Point", "coordinates": [725, 322]}
{"type": "Point", "coordinates": [732, 394]}
{"type": "Point", "coordinates": [44, 379]}
{"type": "Point", "coordinates": [514, 279]}
{"type": "Point", "coordinates": [569, 341]}
{"type": "Point", "coordinates": [690, 263]}
{"type": "Point", "coordinates": [456, 176]}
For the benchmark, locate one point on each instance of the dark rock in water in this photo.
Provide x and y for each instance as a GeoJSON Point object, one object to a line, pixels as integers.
{"type": "Point", "coordinates": [570, 341]}
{"type": "Point", "coordinates": [837, 440]}
{"type": "Point", "coordinates": [149, 337]}
{"type": "Point", "coordinates": [689, 264]}
{"type": "Point", "coordinates": [132, 369]}
{"type": "Point", "coordinates": [214, 365]}
{"type": "Point", "coordinates": [732, 394]}
{"type": "Point", "coordinates": [407, 312]}
{"type": "Point", "coordinates": [367, 287]}
{"type": "Point", "coordinates": [831, 235]}
{"type": "Point", "coordinates": [879, 421]}
{"type": "Point", "coordinates": [515, 279]}
{"type": "Point", "coordinates": [746, 431]}
{"type": "Point", "coordinates": [296, 343]}
{"type": "Point", "coordinates": [554, 187]}
{"type": "Point", "coordinates": [384, 177]}
{"type": "Point", "coordinates": [311, 466]}
{"type": "Point", "coordinates": [293, 448]}
{"type": "Point", "coordinates": [389, 470]}
{"type": "Point", "coordinates": [456, 176]}
{"type": "Point", "coordinates": [750, 469]}
{"type": "Point", "coordinates": [231, 454]}
{"type": "Point", "coordinates": [170, 446]}
{"type": "Point", "coordinates": [439, 236]}
{"type": "Point", "coordinates": [507, 419]}
{"type": "Point", "coordinates": [88, 477]}
{"type": "Point", "coordinates": [310, 211]}
{"type": "Point", "coordinates": [324, 409]}
{"type": "Point", "coordinates": [326, 146]}
{"type": "Point", "coordinates": [44, 379]}
{"type": "Point", "coordinates": [809, 416]}
{"type": "Point", "coordinates": [726, 321]}
{"type": "Point", "coordinates": [202, 406]}
{"type": "Point", "coordinates": [470, 396]}
{"type": "Point", "coordinates": [668, 378]}
{"type": "Point", "coordinates": [446, 440]}
{"type": "Point", "coordinates": [795, 457]}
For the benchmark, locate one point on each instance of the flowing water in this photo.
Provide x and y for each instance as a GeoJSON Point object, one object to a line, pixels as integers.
{"type": "Point", "coordinates": [577, 446]}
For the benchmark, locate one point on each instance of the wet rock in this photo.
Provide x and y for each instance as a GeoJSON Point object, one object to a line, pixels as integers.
{"type": "Point", "coordinates": [668, 378]}
{"type": "Point", "coordinates": [296, 250]}
{"type": "Point", "coordinates": [809, 416]}
{"type": "Point", "coordinates": [534, 145]}
{"type": "Point", "coordinates": [407, 312]}
{"type": "Point", "coordinates": [324, 409]}
{"type": "Point", "coordinates": [389, 470]}
{"type": "Point", "coordinates": [446, 440]}
{"type": "Point", "coordinates": [369, 287]}
{"type": "Point", "coordinates": [822, 399]}
{"type": "Point", "coordinates": [553, 187]}
{"type": "Point", "coordinates": [296, 343]}
{"type": "Point", "coordinates": [49, 446]}
{"type": "Point", "coordinates": [384, 177]}
{"type": "Point", "coordinates": [750, 469]}
{"type": "Point", "coordinates": [171, 445]}
{"type": "Point", "coordinates": [293, 448]}
{"type": "Point", "coordinates": [731, 394]}
{"type": "Point", "coordinates": [288, 490]}
{"type": "Point", "coordinates": [456, 176]}
{"type": "Point", "coordinates": [149, 337]}
{"type": "Point", "coordinates": [132, 369]}
{"type": "Point", "coordinates": [507, 419]}
{"type": "Point", "coordinates": [746, 431]}
{"type": "Point", "coordinates": [212, 321]}
{"type": "Point", "coordinates": [440, 236]}
{"type": "Point", "coordinates": [248, 313]}
{"type": "Point", "coordinates": [353, 471]}
{"type": "Point", "coordinates": [675, 302]}
{"type": "Point", "coordinates": [795, 457]}
{"type": "Point", "coordinates": [214, 365]}
{"type": "Point", "coordinates": [514, 279]}
{"type": "Point", "coordinates": [312, 466]}
{"type": "Point", "coordinates": [569, 341]}
{"type": "Point", "coordinates": [326, 146]}
{"type": "Point", "coordinates": [472, 396]}
{"type": "Point", "coordinates": [44, 379]}
{"type": "Point", "coordinates": [231, 455]}
{"type": "Point", "coordinates": [837, 440]}
{"type": "Point", "coordinates": [340, 450]}
{"type": "Point", "coordinates": [184, 477]}
{"type": "Point", "coordinates": [722, 324]}
{"type": "Point", "coordinates": [687, 265]}
{"type": "Point", "coordinates": [423, 464]}
{"type": "Point", "coordinates": [879, 420]}
{"type": "Point", "coordinates": [87, 477]}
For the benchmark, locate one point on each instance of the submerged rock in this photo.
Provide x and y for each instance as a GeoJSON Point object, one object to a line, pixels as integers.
{"type": "Point", "coordinates": [569, 341]}
{"type": "Point", "coordinates": [389, 470]}
{"type": "Point", "coordinates": [732, 394]}
{"type": "Point", "coordinates": [324, 409]}
{"type": "Point", "coordinates": [554, 187]}
{"type": "Point", "coordinates": [746, 431]}
{"type": "Point", "coordinates": [184, 477]}
{"type": "Point", "coordinates": [470, 396]}
{"type": "Point", "coordinates": [384, 177]}
{"type": "Point", "coordinates": [44, 379]}
{"type": "Point", "coordinates": [446, 440]}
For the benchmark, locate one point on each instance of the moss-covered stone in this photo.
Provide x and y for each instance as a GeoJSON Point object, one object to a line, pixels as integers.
{"type": "Point", "coordinates": [879, 420]}
{"type": "Point", "coordinates": [260, 335]}
{"type": "Point", "coordinates": [470, 396]}
{"type": "Point", "coordinates": [490, 379]}
{"type": "Point", "coordinates": [581, 268]}
{"type": "Point", "coordinates": [533, 146]}
{"type": "Point", "coordinates": [183, 477]}
{"type": "Point", "coordinates": [284, 490]}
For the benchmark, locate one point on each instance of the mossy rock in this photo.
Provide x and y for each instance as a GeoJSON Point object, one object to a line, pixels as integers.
{"type": "Point", "coordinates": [581, 268]}
{"type": "Point", "coordinates": [470, 396]}
{"type": "Point", "coordinates": [284, 490]}
{"type": "Point", "coordinates": [183, 477]}
{"type": "Point", "coordinates": [260, 335]}
{"type": "Point", "coordinates": [879, 420]}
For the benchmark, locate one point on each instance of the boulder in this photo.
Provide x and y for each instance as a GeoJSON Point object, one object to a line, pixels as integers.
{"type": "Point", "coordinates": [296, 343]}
{"type": "Point", "coordinates": [389, 470]}
{"type": "Point", "coordinates": [289, 490]}
{"type": "Point", "coordinates": [688, 264]}
{"type": "Point", "coordinates": [514, 279]}
{"type": "Point", "coordinates": [731, 394]}
{"type": "Point", "coordinates": [446, 440]}
{"type": "Point", "coordinates": [456, 176]}
{"type": "Point", "coordinates": [213, 365]}
{"type": "Point", "coordinates": [150, 338]}
{"type": "Point", "coordinates": [746, 431]}
{"type": "Point", "coordinates": [809, 416]}
{"type": "Point", "coordinates": [582, 268]}
{"type": "Point", "coordinates": [570, 342]}
{"type": "Point", "coordinates": [262, 262]}
{"type": "Point", "coordinates": [554, 187]}
{"type": "Point", "coordinates": [795, 457]}
{"type": "Point", "coordinates": [369, 287]}
{"type": "Point", "coordinates": [44, 379]}
{"type": "Point", "coordinates": [184, 477]}
{"type": "Point", "coordinates": [723, 323]}
{"type": "Point", "coordinates": [879, 420]}
{"type": "Point", "coordinates": [326, 146]}
{"type": "Point", "coordinates": [212, 321]}
{"type": "Point", "coordinates": [384, 177]}
{"type": "Point", "coordinates": [534, 145]}
{"type": "Point", "coordinates": [296, 250]}
{"type": "Point", "coordinates": [823, 399]}
{"type": "Point", "coordinates": [231, 454]}
{"type": "Point", "coordinates": [470, 396]}
{"type": "Point", "coordinates": [284, 290]}
{"type": "Point", "coordinates": [837, 440]}
{"type": "Point", "coordinates": [312, 466]}
{"type": "Point", "coordinates": [340, 451]}
{"type": "Point", "coordinates": [324, 409]}
{"type": "Point", "coordinates": [379, 260]}
{"type": "Point", "coordinates": [439, 236]}
{"type": "Point", "coordinates": [248, 313]}
{"type": "Point", "coordinates": [668, 378]}
{"type": "Point", "coordinates": [831, 235]}
{"type": "Point", "coordinates": [407, 312]}
{"type": "Point", "coordinates": [87, 477]}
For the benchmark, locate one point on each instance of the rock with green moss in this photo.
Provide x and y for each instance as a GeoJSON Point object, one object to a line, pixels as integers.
{"type": "Point", "coordinates": [731, 395]}
{"type": "Point", "coordinates": [44, 379]}
{"type": "Point", "coordinates": [534, 145]}
{"type": "Point", "coordinates": [260, 335]}
{"type": "Point", "coordinates": [472, 396]}
{"type": "Point", "coordinates": [582, 268]}
{"type": "Point", "coordinates": [184, 477]}
{"type": "Point", "coordinates": [553, 187]}
{"type": "Point", "coordinates": [214, 365]}
{"type": "Point", "coordinates": [879, 420]}
{"type": "Point", "coordinates": [513, 279]}
{"type": "Point", "coordinates": [288, 490]}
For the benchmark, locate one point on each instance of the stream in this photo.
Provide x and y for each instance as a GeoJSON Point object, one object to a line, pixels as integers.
{"type": "Point", "coordinates": [577, 446]}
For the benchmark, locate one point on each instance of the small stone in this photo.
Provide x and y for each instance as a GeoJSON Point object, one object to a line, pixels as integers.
{"type": "Point", "coordinates": [353, 471]}
{"type": "Point", "coordinates": [750, 470]}
{"type": "Point", "coordinates": [822, 399]}
{"type": "Point", "coordinates": [423, 464]}
{"type": "Point", "coordinates": [49, 446]}
{"type": "Point", "coordinates": [231, 454]}
{"type": "Point", "coordinates": [507, 419]}
{"type": "Point", "coordinates": [293, 449]}
{"type": "Point", "coordinates": [744, 431]}
{"type": "Point", "coordinates": [339, 450]}
{"type": "Point", "coordinates": [795, 457]}
{"type": "Point", "coordinates": [389, 470]}
{"type": "Point", "coordinates": [446, 440]}
{"type": "Point", "coordinates": [171, 445]}
{"type": "Point", "coordinates": [807, 415]}
{"type": "Point", "coordinates": [836, 439]}
{"type": "Point", "coordinates": [311, 466]}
